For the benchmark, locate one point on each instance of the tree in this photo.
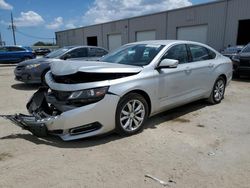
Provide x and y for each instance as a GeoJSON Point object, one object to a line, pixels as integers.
{"type": "Point", "coordinates": [40, 43]}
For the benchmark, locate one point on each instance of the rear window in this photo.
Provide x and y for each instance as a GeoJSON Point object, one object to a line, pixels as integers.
{"type": "Point", "coordinates": [246, 49]}
{"type": "Point", "coordinates": [15, 49]}
{"type": "Point", "coordinates": [97, 52]}
{"type": "Point", "coordinates": [200, 53]}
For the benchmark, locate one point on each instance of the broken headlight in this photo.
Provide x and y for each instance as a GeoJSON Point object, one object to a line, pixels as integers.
{"type": "Point", "coordinates": [88, 95]}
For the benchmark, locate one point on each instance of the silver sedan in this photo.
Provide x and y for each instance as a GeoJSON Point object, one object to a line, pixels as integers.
{"type": "Point", "coordinates": [124, 88]}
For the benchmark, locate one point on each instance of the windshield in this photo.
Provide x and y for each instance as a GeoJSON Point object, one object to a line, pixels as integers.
{"type": "Point", "coordinates": [135, 54]}
{"type": "Point", "coordinates": [246, 49]}
{"type": "Point", "coordinates": [58, 52]}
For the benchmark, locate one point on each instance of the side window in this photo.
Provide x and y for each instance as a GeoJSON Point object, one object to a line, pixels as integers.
{"type": "Point", "coordinates": [200, 53]}
{"type": "Point", "coordinates": [3, 49]}
{"type": "Point", "coordinates": [92, 52]}
{"type": "Point", "coordinates": [246, 49]}
{"type": "Point", "coordinates": [178, 52]}
{"type": "Point", "coordinates": [16, 49]}
{"type": "Point", "coordinates": [78, 53]}
{"type": "Point", "coordinates": [100, 52]}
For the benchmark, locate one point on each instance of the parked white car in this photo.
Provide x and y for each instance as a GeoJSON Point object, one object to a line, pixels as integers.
{"type": "Point", "coordinates": [124, 88]}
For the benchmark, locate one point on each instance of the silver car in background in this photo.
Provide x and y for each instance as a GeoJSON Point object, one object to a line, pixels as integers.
{"type": "Point", "coordinates": [124, 88]}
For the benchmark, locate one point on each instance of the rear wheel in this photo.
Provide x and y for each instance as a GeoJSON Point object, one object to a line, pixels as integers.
{"type": "Point", "coordinates": [131, 114]}
{"type": "Point", "coordinates": [26, 58]}
{"type": "Point", "coordinates": [218, 91]}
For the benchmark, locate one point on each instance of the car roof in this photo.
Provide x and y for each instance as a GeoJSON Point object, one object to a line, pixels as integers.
{"type": "Point", "coordinates": [166, 42]}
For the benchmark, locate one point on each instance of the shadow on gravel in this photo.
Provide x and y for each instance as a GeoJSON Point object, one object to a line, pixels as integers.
{"type": "Point", "coordinates": [152, 123]}
{"type": "Point", "coordinates": [57, 142]}
{"type": "Point", "coordinates": [26, 87]}
{"type": "Point", "coordinates": [175, 114]}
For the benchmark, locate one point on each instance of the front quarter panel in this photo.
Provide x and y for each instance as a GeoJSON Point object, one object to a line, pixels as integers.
{"type": "Point", "coordinates": [145, 81]}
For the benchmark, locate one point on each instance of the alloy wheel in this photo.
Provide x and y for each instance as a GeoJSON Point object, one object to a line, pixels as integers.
{"type": "Point", "coordinates": [132, 115]}
{"type": "Point", "coordinates": [219, 90]}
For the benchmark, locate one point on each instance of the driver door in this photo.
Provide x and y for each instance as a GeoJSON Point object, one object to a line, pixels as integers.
{"type": "Point", "coordinates": [175, 84]}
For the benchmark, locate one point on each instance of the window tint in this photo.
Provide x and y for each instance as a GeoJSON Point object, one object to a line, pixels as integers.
{"type": "Point", "coordinates": [200, 53]}
{"type": "Point", "coordinates": [246, 49]}
{"type": "Point", "coordinates": [77, 53]}
{"type": "Point", "coordinates": [15, 49]}
{"type": "Point", "coordinates": [3, 49]}
{"type": "Point", "coordinates": [100, 52]}
{"type": "Point", "coordinates": [178, 52]}
{"type": "Point", "coordinates": [96, 52]}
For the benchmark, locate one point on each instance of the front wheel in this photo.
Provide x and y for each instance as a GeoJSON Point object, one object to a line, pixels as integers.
{"type": "Point", "coordinates": [218, 91]}
{"type": "Point", "coordinates": [131, 114]}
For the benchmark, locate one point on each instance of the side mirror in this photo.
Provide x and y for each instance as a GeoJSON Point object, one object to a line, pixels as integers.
{"type": "Point", "coordinates": [168, 63]}
{"type": "Point", "coordinates": [66, 56]}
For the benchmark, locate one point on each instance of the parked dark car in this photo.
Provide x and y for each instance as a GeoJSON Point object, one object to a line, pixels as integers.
{"type": "Point", "coordinates": [15, 54]}
{"type": "Point", "coordinates": [42, 51]}
{"type": "Point", "coordinates": [241, 62]}
{"type": "Point", "coordinates": [231, 51]}
{"type": "Point", "coordinates": [33, 71]}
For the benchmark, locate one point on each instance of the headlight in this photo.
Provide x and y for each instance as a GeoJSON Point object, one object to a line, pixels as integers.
{"type": "Point", "coordinates": [89, 94]}
{"type": "Point", "coordinates": [32, 66]}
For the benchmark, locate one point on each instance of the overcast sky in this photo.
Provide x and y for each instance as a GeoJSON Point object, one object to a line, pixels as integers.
{"type": "Point", "coordinates": [37, 20]}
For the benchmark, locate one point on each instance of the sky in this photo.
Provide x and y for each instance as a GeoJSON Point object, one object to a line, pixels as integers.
{"type": "Point", "coordinates": [38, 20]}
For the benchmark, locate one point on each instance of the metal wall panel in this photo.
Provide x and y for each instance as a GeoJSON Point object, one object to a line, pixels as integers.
{"type": "Point", "coordinates": [145, 35]}
{"type": "Point", "coordinates": [212, 15]}
{"type": "Point", "coordinates": [155, 22]}
{"type": "Point", "coordinates": [237, 10]}
{"type": "Point", "coordinates": [91, 31]}
{"type": "Point", "coordinates": [117, 27]}
{"type": "Point", "coordinates": [221, 17]}
{"type": "Point", "coordinates": [193, 33]}
{"type": "Point", "coordinates": [114, 41]}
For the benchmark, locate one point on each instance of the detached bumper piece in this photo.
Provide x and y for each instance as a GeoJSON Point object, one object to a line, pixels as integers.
{"type": "Point", "coordinates": [36, 123]}
{"type": "Point", "coordinates": [29, 123]}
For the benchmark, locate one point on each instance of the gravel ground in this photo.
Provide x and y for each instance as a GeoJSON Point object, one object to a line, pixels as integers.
{"type": "Point", "coordinates": [197, 145]}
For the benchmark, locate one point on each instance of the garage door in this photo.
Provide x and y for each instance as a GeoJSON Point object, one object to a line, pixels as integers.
{"type": "Point", "coordinates": [194, 33]}
{"type": "Point", "coordinates": [114, 41]}
{"type": "Point", "coordinates": [145, 35]}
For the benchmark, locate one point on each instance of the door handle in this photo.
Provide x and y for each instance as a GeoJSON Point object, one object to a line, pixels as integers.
{"type": "Point", "coordinates": [211, 65]}
{"type": "Point", "coordinates": [187, 70]}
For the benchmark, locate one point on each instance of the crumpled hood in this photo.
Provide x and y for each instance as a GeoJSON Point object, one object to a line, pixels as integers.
{"type": "Point", "coordinates": [37, 61]}
{"type": "Point", "coordinates": [72, 67]}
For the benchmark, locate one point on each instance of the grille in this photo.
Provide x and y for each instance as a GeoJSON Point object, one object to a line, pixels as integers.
{"type": "Point", "coordinates": [20, 68]}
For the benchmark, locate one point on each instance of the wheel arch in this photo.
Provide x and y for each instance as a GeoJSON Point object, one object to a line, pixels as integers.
{"type": "Point", "coordinates": [224, 77]}
{"type": "Point", "coordinates": [143, 94]}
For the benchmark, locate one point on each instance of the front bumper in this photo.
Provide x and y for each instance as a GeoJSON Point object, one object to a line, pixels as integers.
{"type": "Point", "coordinates": [27, 76]}
{"type": "Point", "coordinates": [73, 123]}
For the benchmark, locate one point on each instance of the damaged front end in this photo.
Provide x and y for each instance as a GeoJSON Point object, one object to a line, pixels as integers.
{"type": "Point", "coordinates": [41, 114]}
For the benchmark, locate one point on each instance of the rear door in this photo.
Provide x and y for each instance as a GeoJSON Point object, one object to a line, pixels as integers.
{"type": "Point", "coordinates": [16, 53]}
{"type": "Point", "coordinates": [77, 54]}
{"type": "Point", "coordinates": [202, 65]}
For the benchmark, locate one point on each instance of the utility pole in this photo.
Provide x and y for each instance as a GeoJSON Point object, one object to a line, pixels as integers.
{"type": "Point", "coordinates": [13, 29]}
{"type": "Point", "coordinates": [1, 43]}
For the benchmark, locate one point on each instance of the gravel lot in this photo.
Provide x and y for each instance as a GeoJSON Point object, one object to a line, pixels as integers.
{"type": "Point", "coordinates": [197, 145]}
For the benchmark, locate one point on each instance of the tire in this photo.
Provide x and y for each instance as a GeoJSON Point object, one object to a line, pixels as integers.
{"type": "Point", "coordinates": [43, 82]}
{"type": "Point", "coordinates": [131, 114]}
{"type": "Point", "coordinates": [26, 58]}
{"type": "Point", "coordinates": [218, 91]}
